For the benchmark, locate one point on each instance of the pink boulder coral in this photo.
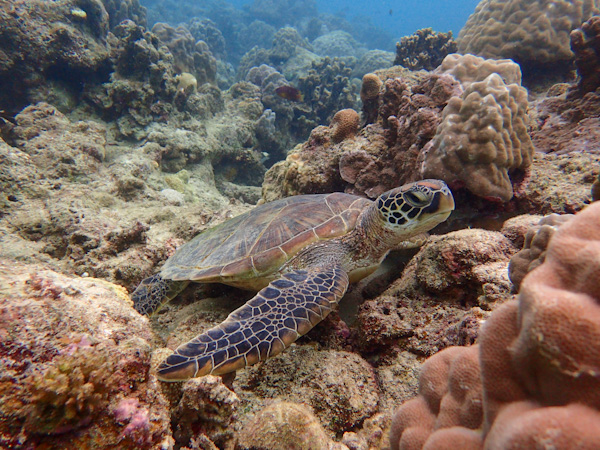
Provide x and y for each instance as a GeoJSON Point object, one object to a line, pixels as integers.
{"type": "Point", "coordinates": [539, 362]}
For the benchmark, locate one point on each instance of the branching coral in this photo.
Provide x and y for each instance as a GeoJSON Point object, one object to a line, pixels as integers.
{"type": "Point", "coordinates": [425, 49]}
{"type": "Point", "coordinates": [326, 89]}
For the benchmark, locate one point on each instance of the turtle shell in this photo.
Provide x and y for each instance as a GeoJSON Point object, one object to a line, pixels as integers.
{"type": "Point", "coordinates": [246, 250]}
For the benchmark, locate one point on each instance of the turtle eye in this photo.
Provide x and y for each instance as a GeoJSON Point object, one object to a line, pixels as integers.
{"type": "Point", "coordinates": [416, 198]}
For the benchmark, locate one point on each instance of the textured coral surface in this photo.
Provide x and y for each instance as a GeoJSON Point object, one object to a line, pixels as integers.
{"type": "Point", "coordinates": [585, 43]}
{"type": "Point", "coordinates": [75, 364]}
{"type": "Point", "coordinates": [505, 29]}
{"type": "Point", "coordinates": [425, 49]}
{"type": "Point", "coordinates": [118, 144]}
{"type": "Point", "coordinates": [533, 377]}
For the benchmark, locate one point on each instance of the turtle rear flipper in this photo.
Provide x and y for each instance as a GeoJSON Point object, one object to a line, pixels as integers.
{"type": "Point", "coordinates": [270, 322]}
{"type": "Point", "coordinates": [155, 292]}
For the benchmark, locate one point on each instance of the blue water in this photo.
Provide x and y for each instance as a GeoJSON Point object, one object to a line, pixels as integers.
{"type": "Point", "coordinates": [399, 18]}
{"type": "Point", "coordinates": [375, 24]}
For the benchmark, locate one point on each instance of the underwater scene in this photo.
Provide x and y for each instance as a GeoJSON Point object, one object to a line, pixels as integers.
{"type": "Point", "coordinates": [277, 224]}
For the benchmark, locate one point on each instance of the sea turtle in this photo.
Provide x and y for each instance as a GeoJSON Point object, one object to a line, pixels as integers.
{"type": "Point", "coordinates": [301, 252]}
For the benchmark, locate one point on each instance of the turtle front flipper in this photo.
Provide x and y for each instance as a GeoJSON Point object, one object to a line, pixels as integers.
{"type": "Point", "coordinates": [154, 292]}
{"type": "Point", "coordinates": [270, 322]}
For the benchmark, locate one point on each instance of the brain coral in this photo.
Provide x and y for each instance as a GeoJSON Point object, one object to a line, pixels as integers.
{"type": "Point", "coordinates": [531, 32]}
{"type": "Point", "coordinates": [344, 124]}
{"type": "Point", "coordinates": [539, 362]}
{"type": "Point", "coordinates": [482, 138]}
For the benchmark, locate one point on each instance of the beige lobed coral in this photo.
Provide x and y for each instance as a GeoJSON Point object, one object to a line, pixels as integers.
{"type": "Point", "coordinates": [531, 32]}
{"type": "Point", "coordinates": [538, 365]}
{"type": "Point", "coordinates": [469, 68]}
{"type": "Point", "coordinates": [483, 135]}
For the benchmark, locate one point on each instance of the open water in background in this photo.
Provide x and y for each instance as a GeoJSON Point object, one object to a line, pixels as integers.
{"type": "Point", "coordinates": [399, 17]}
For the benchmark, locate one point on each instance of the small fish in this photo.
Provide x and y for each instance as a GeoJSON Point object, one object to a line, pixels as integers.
{"type": "Point", "coordinates": [391, 11]}
{"type": "Point", "coordinates": [289, 93]}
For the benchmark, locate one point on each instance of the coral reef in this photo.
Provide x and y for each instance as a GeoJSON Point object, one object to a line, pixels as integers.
{"type": "Point", "coordinates": [371, 61]}
{"type": "Point", "coordinates": [585, 44]}
{"type": "Point", "coordinates": [274, 132]}
{"type": "Point", "coordinates": [337, 44]}
{"type": "Point", "coordinates": [425, 49]}
{"type": "Point", "coordinates": [206, 30]}
{"type": "Point", "coordinates": [567, 123]}
{"type": "Point", "coordinates": [447, 411]}
{"type": "Point", "coordinates": [467, 279]}
{"type": "Point", "coordinates": [326, 89]}
{"type": "Point", "coordinates": [463, 124]}
{"type": "Point", "coordinates": [189, 55]}
{"type": "Point", "coordinates": [469, 68]}
{"type": "Point", "coordinates": [118, 144]}
{"type": "Point", "coordinates": [538, 362]}
{"type": "Point", "coordinates": [46, 44]}
{"type": "Point", "coordinates": [206, 407]}
{"type": "Point", "coordinates": [482, 139]}
{"type": "Point", "coordinates": [504, 29]}
{"type": "Point", "coordinates": [286, 44]}
{"type": "Point", "coordinates": [77, 148]}
{"type": "Point", "coordinates": [342, 395]}
{"type": "Point", "coordinates": [143, 83]}
{"type": "Point", "coordinates": [75, 357]}
{"type": "Point", "coordinates": [369, 95]}
{"type": "Point", "coordinates": [344, 125]}
{"type": "Point", "coordinates": [534, 248]}
{"type": "Point", "coordinates": [120, 10]}
{"type": "Point", "coordinates": [596, 189]}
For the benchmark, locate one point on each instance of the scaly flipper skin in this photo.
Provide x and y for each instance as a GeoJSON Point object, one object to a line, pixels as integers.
{"type": "Point", "coordinates": [278, 315]}
{"type": "Point", "coordinates": [154, 292]}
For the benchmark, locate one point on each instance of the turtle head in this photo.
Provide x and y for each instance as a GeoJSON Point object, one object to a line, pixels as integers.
{"type": "Point", "coordinates": [415, 207]}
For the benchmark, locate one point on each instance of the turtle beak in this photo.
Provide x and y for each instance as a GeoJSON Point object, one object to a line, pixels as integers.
{"type": "Point", "coordinates": [445, 202]}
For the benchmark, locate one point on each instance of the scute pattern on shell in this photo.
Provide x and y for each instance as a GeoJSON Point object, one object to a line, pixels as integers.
{"type": "Point", "coordinates": [261, 240]}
